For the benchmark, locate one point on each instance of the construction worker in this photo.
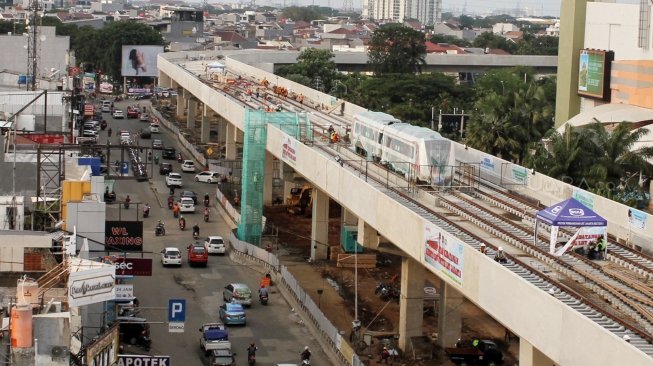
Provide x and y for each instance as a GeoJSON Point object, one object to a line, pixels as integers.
{"type": "Point", "coordinates": [500, 256]}
{"type": "Point", "coordinates": [483, 248]}
{"type": "Point", "coordinates": [601, 247]}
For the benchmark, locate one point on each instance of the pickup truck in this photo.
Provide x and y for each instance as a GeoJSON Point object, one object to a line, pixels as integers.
{"type": "Point", "coordinates": [214, 336]}
{"type": "Point", "coordinates": [484, 352]}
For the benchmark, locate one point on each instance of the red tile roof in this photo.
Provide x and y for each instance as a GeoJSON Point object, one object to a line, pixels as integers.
{"type": "Point", "coordinates": [442, 48]}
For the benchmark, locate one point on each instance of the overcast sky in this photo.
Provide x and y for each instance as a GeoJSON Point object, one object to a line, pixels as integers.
{"type": "Point", "coordinates": [480, 7]}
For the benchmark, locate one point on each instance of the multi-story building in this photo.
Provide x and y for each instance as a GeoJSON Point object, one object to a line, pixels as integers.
{"type": "Point", "coordinates": [428, 12]}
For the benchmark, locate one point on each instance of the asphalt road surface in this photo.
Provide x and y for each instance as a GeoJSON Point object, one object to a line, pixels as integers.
{"type": "Point", "coordinates": [277, 330]}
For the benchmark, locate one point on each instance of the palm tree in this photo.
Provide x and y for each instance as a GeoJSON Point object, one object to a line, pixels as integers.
{"type": "Point", "coordinates": [492, 130]}
{"type": "Point", "coordinates": [533, 112]}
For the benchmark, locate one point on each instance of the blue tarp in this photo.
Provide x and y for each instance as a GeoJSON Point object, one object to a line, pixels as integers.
{"type": "Point", "coordinates": [570, 213]}
{"type": "Point", "coordinates": [216, 335]}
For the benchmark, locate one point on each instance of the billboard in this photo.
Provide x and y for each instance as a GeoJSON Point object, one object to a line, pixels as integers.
{"type": "Point", "coordinates": [103, 351]}
{"type": "Point", "coordinates": [124, 236]}
{"type": "Point", "coordinates": [140, 60]}
{"type": "Point", "coordinates": [133, 266]}
{"type": "Point", "coordinates": [594, 73]}
{"type": "Point", "coordinates": [443, 253]}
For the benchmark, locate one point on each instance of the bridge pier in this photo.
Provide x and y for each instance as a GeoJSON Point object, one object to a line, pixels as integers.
{"type": "Point", "coordinates": [411, 303]}
{"type": "Point", "coordinates": [287, 172]}
{"type": "Point", "coordinates": [230, 142]}
{"type": "Point", "coordinates": [222, 130]}
{"type": "Point", "coordinates": [367, 235]}
{"type": "Point", "coordinates": [205, 130]}
{"type": "Point", "coordinates": [192, 110]}
{"type": "Point", "coordinates": [165, 81]}
{"type": "Point", "coordinates": [267, 178]}
{"type": "Point", "coordinates": [320, 225]}
{"type": "Point", "coordinates": [181, 104]}
{"type": "Point", "coordinates": [449, 319]}
{"type": "Point", "coordinates": [531, 356]}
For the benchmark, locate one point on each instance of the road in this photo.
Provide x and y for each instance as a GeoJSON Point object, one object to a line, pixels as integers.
{"type": "Point", "coordinates": [276, 329]}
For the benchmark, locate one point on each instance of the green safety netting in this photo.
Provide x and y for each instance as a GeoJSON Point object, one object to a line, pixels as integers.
{"type": "Point", "coordinates": [294, 124]}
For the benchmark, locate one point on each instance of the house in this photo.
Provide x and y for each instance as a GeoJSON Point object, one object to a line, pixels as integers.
{"type": "Point", "coordinates": [502, 28]}
{"type": "Point", "coordinates": [443, 48]}
{"type": "Point", "coordinates": [515, 36]}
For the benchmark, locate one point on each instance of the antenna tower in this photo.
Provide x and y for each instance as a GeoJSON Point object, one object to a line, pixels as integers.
{"type": "Point", "coordinates": [33, 42]}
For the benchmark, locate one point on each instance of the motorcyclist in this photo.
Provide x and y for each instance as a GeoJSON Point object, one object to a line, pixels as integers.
{"type": "Point", "coordinates": [149, 155]}
{"type": "Point", "coordinates": [182, 222]}
{"type": "Point", "coordinates": [196, 230]}
{"type": "Point", "coordinates": [171, 202]}
{"type": "Point", "coordinates": [127, 201]}
{"type": "Point", "coordinates": [251, 350]}
{"type": "Point", "coordinates": [206, 200]}
{"type": "Point", "coordinates": [263, 291]}
{"type": "Point", "coordinates": [146, 210]}
{"type": "Point", "coordinates": [306, 355]}
{"type": "Point", "coordinates": [206, 214]}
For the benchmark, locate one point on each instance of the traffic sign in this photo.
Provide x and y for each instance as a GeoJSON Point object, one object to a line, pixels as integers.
{"type": "Point", "coordinates": [176, 327]}
{"type": "Point", "coordinates": [209, 151]}
{"type": "Point", "coordinates": [177, 310]}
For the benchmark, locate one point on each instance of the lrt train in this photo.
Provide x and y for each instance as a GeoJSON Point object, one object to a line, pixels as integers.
{"type": "Point", "coordinates": [414, 151]}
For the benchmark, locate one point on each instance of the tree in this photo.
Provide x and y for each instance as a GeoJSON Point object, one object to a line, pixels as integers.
{"type": "Point", "coordinates": [395, 48]}
{"type": "Point", "coordinates": [13, 27]}
{"type": "Point", "coordinates": [316, 66]}
{"type": "Point", "coordinates": [441, 38]}
{"type": "Point", "coordinates": [491, 40]}
{"type": "Point", "coordinates": [304, 13]}
{"type": "Point", "coordinates": [491, 130]}
{"type": "Point", "coordinates": [538, 45]}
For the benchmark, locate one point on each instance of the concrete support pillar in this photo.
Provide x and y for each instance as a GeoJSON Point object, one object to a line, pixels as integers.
{"type": "Point", "coordinates": [449, 319]}
{"type": "Point", "coordinates": [239, 136]}
{"type": "Point", "coordinates": [287, 173]}
{"type": "Point", "coordinates": [165, 81]}
{"type": "Point", "coordinates": [347, 218]}
{"type": "Point", "coordinates": [181, 105]}
{"type": "Point", "coordinates": [222, 130]}
{"type": "Point", "coordinates": [320, 225]}
{"type": "Point", "coordinates": [531, 356]}
{"type": "Point", "coordinates": [267, 179]}
{"type": "Point", "coordinates": [192, 111]}
{"type": "Point", "coordinates": [367, 235]}
{"type": "Point", "coordinates": [411, 304]}
{"type": "Point", "coordinates": [230, 142]}
{"type": "Point", "coordinates": [205, 130]}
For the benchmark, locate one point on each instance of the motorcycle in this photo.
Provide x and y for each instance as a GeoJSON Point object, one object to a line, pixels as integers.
{"type": "Point", "coordinates": [263, 299]}
{"type": "Point", "coordinates": [103, 125]}
{"type": "Point", "coordinates": [196, 234]}
{"type": "Point", "coordinates": [206, 202]}
{"type": "Point", "coordinates": [306, 362]}
{"type": "Point", "coordinates": [126, 204]}
{"type": "Point", "coordinates": [206, 215]}
{"type": "Point", "coordinates": [251, 360]}
{"type": "Point", "coordinates": [182, 225]}
{"type": "Point", "coordinates": [179, 158]}
{"type": "Point", "coordinates": [171, 202]}
{"type": "Point", "coordinates": [144, 341]}
{"type": "Point", "coordinates": [160, 230]}
{"type": "Point", "coordinates": [146, 211]}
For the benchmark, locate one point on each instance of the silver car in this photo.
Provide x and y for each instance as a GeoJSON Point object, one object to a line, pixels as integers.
{"type": "Point", "coordinates": [237, 293]}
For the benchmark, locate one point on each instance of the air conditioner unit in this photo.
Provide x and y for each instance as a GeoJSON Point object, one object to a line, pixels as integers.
{"type": "Point", "coordinates": [58, 352]}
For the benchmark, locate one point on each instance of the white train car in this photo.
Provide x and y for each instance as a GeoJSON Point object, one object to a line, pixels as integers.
{"type": "Point", "coordinates": [411, 150]}
{"type": "Point", "coordinates": [367, 132]}
{"type": "Point", "coordinates": [416, 151]}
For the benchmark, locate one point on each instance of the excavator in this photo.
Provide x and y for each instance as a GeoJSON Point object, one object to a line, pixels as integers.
{"type": "Point", "coordinates": [300, 199]}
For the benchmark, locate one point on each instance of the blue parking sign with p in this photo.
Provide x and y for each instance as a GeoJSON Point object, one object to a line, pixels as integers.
{"type": "Point", "coordinates": [177, 310]}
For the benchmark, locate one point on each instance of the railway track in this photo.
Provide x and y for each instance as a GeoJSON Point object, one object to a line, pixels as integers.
{"type": "Point", "coordinates": [620, 294]}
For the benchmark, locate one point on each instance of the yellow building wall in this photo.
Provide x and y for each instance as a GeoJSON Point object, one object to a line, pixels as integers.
{"type": "Point", "coordinates": [631, 82]}
{"type": "Point", "coordinates": [72, 191]}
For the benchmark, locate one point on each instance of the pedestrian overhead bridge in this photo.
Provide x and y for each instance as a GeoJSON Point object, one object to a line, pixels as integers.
{"type": "Point", "coordinates": [563, 329]}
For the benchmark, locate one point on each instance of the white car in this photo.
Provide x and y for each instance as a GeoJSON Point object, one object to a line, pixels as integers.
{"type": "Point", "coordinates": [215, 245]}
{"type": "Point", "coordinates": [186, 204]}
{"type": "Point", "coordinates": [208, 177]}
{"type": "Point", "coordinates": [154, 128]}
{"type": "Point", "coordinates": [125, 138]}
{"type": "Point", "coordinates": [173, 180]}
{"type": "Point", "coordinates": [118, 113]}
{"type": "Point", "coordinates": [188, 166]}
{"type": "Point", "coordinates": [171, 256]}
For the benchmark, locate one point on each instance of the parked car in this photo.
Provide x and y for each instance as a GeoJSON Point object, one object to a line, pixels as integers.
{"type": "Point", "coordinates": [165, 168]}
{"type": "Point", "coordinates": [118, 114]}
{"type": "Point", "coordinates": [188, 166]}
{"type": "Point", "coordinates": [144, 117]}
{"type": "Point", "coordinates": [169, 153]}
{"type": "Point", "coordinates": [186, 204]}
{"type": "Point", "coordinates": [89, 133]}
{"type": "Point", "coordinates": [208, 177]}
{"type": "Point", "coordinates": [157, 144]}
{"type": "Point", "coordinates": [237, 293]}
{"type": "Point", "coordinates": [190, 194]}
{"type": "Point", "coordinates": [215, 245]}
{"type": "Point", "coordinates": [231, 314]}
{"type": "Point", "coordinates": [174, 180]}
{"type": "Point", "coordinates": [484, 352]}
{"type": "Point", "coordinates": [171, 256]}
{"type": "Point", "coordinates": [197, 254]}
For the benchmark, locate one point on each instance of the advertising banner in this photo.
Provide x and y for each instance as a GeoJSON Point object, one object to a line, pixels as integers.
{"type": "Point", "coordinates": [125, 292]}
{"type": "Point", "coordinates": [106, 88]}
{"type": "Point", "coordinates": [487, 162]}
{"type": "Point", "coordinates": [584, 197]}
{"type": "Point", "coordinates": [637, 218]}
{"type": "Point", "coordinates": [140, 60]}
{"type": "Point", "coordinates": [444, 253]}
{"type": "Point", "coordinates": [92, 286]}
{"type": "Point", "coordinates": [124, 236]}
{"type": "Point", "coordinates": [594, 73]}
{"type": "Point", "coordinates": [519, 174]}
{"type": "Point", "coordinates": [133, 266]}
{"type": "Point", "coordinates": [104, 350]}
{"type": "Point", "coordinates": [289, 151]}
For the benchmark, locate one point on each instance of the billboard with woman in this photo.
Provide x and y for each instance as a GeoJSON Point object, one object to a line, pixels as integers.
{"type": "Point", "coordinates": [140, 60]}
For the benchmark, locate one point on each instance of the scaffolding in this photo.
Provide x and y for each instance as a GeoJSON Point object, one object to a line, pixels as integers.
{"type": "Point", "coordinates": [296, 125]}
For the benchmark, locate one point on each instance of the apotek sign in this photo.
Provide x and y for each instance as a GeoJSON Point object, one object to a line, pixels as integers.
{"type": "Point", "coordinates": [124, 236]}
{"type": "Point", "coordinates": [133, 266]}
{"type": "Point", "coordinates": [139, 360]}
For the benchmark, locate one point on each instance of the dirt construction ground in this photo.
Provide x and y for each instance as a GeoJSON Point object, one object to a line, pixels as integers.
{"type": "Point", "coordinates": [376, 315]}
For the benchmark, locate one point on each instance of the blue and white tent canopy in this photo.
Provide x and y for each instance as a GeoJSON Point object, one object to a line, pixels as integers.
{"type": "Point", "coordinates": [570, 212]}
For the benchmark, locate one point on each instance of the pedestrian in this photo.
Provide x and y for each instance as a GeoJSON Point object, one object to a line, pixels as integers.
{"type": "Point", "coordinates": [110, 131]}
{"type": "Point", "coordinates": [385, 355]}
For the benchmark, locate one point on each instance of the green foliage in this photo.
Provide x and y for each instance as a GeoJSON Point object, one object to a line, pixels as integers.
{"type": "Point", "coordinates": [395, 48]}
{"type": "Point", "coordinates": [14, 28]}
{"type": "Point", "coordinates": [305, 13]}
{"type": "Point", "coordinates": [441, 38]}
{"type": "Point", "coordinates": [466, 21]}
{"type": "Point", "coordinates": [491, 40]}
{"type": "Point", "coordinates": [538, 45]}
{"type": "Point", "coordinates": [316, 66]}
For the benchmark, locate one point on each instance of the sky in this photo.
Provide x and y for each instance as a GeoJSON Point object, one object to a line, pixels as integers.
{"type": "Point", "coordinates": [478, 7]}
